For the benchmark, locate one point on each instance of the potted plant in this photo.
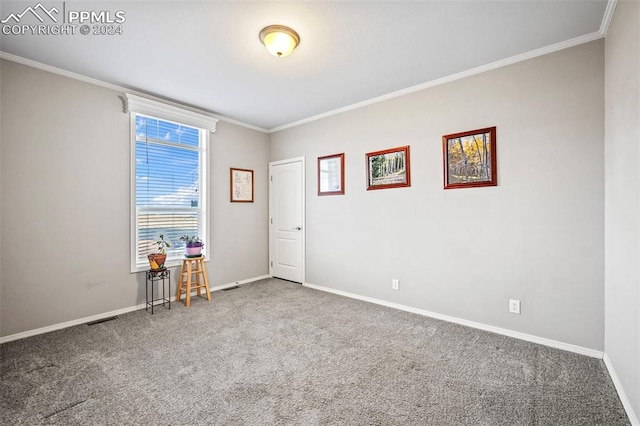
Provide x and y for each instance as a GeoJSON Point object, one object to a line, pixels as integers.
{"type": "Point", "coordinates": [193, 245]}
{"type": "Point", "coordinates": [156, 260]}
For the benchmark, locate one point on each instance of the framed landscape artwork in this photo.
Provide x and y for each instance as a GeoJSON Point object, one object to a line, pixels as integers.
{"type": "Point", "coordinates": [241, 185]}
{"type": "Point", "coordinates": [470, 159]}
{"type": "Point", "coordinates": [389, 168]}
{"type": "Point", "coordinates": [331, 175]}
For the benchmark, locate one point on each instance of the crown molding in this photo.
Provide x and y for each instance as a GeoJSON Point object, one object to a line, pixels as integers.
{"type": "Point", "coordinates": [123, 89]}
{"type": "Point", "coordinates": [604, 26]}
{"type": "Point", "coordinates": [448, 79]}
{"type": "Point", "coordinates": [608, 16]}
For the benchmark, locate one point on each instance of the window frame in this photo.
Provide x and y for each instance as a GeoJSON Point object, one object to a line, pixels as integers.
{"type": "Point", "coordinates": [136, 105]}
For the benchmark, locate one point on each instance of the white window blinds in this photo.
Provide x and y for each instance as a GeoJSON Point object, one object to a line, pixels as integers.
{"type": "Point", "coordinates": [169, 186]}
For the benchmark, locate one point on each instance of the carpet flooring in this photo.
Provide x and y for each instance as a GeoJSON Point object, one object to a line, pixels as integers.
{"type": "Point", "coordinates": [276, 353]}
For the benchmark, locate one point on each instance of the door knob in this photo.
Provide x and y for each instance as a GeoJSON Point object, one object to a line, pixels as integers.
{"type": "Point", "coordinates": [298, 228]}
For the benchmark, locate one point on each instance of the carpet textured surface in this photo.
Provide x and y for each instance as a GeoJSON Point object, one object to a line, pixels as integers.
{"type": "Point", "coordinates": [274, 352]}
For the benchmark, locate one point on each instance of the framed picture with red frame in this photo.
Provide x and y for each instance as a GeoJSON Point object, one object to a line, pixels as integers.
{"type": "Point", "coordinates": [469, 159]}
{"type": "Point", "coordinates": [241, 185]}
{"type": "Point", "coordinates": [389, 168]}
{"type": "Point", "coordinates": [331, 174]}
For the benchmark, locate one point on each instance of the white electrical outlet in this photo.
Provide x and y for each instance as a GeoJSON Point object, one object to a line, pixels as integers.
{"type": "Point", "coordinates": [514, 306]}
{"type": "Point", "coordinates": [394, 284]}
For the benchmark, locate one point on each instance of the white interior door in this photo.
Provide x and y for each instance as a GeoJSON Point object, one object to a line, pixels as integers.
{"type": "Point", "coordinates": [286, 219]}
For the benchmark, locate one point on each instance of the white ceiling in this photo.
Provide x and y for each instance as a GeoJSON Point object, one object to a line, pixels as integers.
{"type": "Point", "coordinates": [208, 55]}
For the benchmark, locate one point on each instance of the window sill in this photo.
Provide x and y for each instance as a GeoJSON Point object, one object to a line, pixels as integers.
{"type": "Point", "coordinates": [169, 264]}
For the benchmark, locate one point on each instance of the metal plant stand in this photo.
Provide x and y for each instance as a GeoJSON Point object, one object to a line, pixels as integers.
{"type": "Point", "coordinates": [154, 276]}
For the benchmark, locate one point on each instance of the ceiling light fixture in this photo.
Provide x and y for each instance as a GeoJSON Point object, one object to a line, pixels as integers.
{"type": "Point", "coordinates": [279, 40]}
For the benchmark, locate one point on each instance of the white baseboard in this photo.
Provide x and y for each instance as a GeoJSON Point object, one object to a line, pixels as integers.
{"type": "Point", "coordinates": [66, 324]}
{"type": "Point", "coordinates": [233, 284]}
{"type": "Point", "coordinates": [523, 336]}
{"type": "Point", "coordinates": [623, 396]}
{"type": "Point", "coordinates": [103, 315]}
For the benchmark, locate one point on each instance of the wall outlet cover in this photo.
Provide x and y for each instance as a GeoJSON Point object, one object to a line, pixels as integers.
{"type": "Point", "coordinates": [395, 284]}
{"type": "Point", "coordinates": [514, 306]}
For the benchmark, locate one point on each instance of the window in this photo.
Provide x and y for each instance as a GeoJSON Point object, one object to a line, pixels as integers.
{"type": "Point", "coordinates": [169, 177]}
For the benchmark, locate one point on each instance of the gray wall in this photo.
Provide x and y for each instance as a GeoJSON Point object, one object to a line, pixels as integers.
{"type": "Point", "coordinates": [1, 229]}
{"type": "Point", "coordinates": [240, 231]}
{"type": "Point", "coordinates": [622, 198]}
{"type": "Point", "coordinates": [537, 237]}
{"type": "Point", "coordinates": [65, 202]}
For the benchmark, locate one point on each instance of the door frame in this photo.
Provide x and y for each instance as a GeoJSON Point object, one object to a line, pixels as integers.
{"type": "Point", "coordinates": [303, 233]}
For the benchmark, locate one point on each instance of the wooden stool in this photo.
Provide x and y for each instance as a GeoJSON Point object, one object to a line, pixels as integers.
{"type": "Point", "coordinates": [190, 266]}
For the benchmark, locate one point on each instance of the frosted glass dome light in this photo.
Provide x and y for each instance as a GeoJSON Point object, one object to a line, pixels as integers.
{"type": "Point", "coordinates": [279, 40]}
